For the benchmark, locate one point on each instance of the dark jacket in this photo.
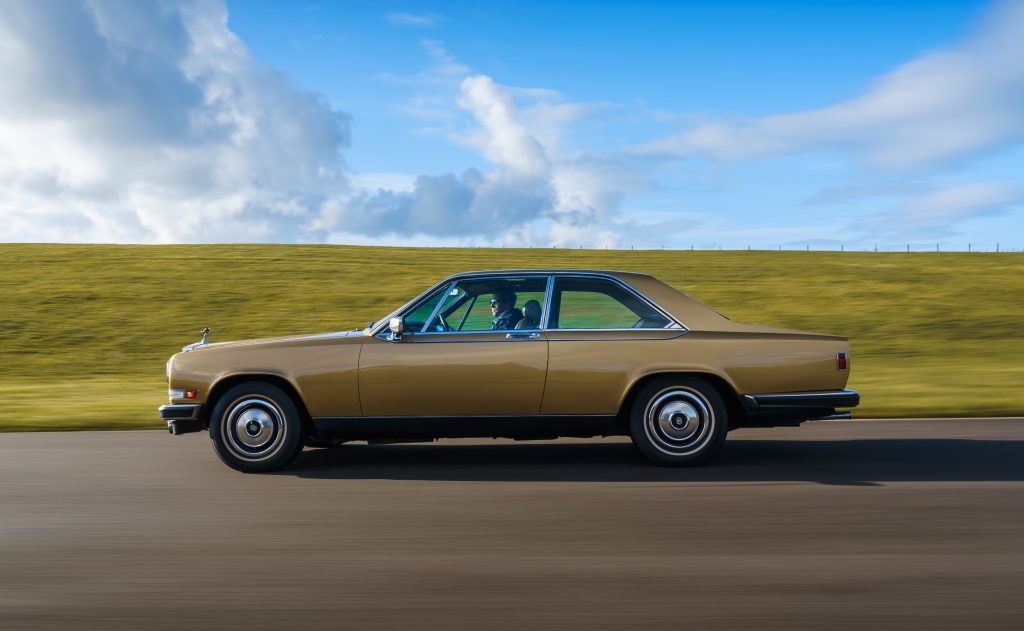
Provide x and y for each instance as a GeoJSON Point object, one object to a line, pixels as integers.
{"type": "Point", "coordinates": [506, 320]}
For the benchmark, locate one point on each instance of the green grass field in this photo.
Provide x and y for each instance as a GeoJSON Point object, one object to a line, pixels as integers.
{"type": "Point", "coordinates": [85, 330]}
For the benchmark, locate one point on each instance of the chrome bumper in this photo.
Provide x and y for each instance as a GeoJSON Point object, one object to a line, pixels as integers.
{"type": "Point", "coordinates": [823, 399]}
{"type": "Point", "coordinates": [182, 418]}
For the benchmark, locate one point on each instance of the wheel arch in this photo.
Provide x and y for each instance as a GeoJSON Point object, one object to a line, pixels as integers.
{"type": "Point", "coordinates": [733, 408]}
{"type": "Point", "coordinates": [225, 383]}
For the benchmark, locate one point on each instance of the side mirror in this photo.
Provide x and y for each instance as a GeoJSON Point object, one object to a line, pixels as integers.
{"type": "Point", "coordinates": [397, 326]}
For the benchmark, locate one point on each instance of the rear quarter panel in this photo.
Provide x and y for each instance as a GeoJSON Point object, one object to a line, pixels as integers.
{"type": "Point", "coordinates": [594, 376]}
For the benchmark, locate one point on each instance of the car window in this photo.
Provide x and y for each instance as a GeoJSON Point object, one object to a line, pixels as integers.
{"type": "Point", "coordinates": [492, 304]}
{"type": "Point", "coordinates": [594, 303]}
{"type": "Point", "coordinates": [417, 318]}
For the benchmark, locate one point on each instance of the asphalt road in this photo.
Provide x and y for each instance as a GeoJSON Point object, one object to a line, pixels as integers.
{"type": "Point", "coordinates": [901, 524]}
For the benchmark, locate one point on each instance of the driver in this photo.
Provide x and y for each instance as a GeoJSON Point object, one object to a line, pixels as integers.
{"type": "Point", "coordinates": [506, 316]}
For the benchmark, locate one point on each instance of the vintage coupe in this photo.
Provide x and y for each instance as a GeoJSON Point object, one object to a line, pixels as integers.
{"type": "Point", "coordinates": [525, 354]}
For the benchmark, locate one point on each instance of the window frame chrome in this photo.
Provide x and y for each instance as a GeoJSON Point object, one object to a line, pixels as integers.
{"type": "Point", "coordinates": [674, 323]}
{"type": "Point", "coordinates": [549, 281]}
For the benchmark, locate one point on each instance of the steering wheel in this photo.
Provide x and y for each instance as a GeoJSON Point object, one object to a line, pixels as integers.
{"type": "Point", "coordinates": [443, 323]}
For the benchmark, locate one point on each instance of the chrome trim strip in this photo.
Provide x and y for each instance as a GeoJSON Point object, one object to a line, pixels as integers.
{"type": "Point", "coordinates": [482, 417]}
{"type": "Point", "coordinates": [679, 333]}
{"type": "Point", "coordinates": [549, 291]}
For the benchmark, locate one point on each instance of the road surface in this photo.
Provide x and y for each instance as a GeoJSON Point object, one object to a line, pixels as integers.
{"type": "Point", "coordinates": [881, 524]}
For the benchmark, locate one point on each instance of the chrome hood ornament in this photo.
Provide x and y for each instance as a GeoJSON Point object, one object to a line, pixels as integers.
{"type": "Point", "coordinates": [202, 342]}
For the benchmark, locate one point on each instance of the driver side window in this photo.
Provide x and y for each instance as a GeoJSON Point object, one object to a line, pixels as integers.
{"type": "Point", "coordinates": [492, 304]}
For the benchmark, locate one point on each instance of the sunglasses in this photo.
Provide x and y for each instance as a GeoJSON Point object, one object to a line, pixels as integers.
{"type": "Point", "coordinates": [498, 302]}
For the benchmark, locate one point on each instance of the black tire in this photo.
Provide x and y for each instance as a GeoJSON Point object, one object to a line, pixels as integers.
{"type": "Point", "coordinates": [678, 421]}
{"type": "Point", "coordinates": [256, 428]}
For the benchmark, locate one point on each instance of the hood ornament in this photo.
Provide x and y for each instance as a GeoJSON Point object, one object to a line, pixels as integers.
{"type": "Point", "coordinates": [202, 342]}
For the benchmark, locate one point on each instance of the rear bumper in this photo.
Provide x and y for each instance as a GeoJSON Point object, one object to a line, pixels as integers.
{"type": "Point", "coordinates": [183, 418]}
{"type": "Point", "coordinates": [785, 409]}
{"type": "Point", "coordinates": [803, 400]}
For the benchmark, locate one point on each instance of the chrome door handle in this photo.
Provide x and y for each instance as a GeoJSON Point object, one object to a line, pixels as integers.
{"type": "Point", "coordinates": [522, 336]}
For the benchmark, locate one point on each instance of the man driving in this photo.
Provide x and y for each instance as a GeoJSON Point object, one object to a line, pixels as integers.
{"type": "Point", "coordinates": [506, 316]}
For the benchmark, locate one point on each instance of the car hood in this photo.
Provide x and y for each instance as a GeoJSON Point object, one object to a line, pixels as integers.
{"type": "Point", "coordinates": [277, 341]}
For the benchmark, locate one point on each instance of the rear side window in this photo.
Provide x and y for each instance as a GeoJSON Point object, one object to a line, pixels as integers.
{"type": "Point", "coordinates": [594, 303]}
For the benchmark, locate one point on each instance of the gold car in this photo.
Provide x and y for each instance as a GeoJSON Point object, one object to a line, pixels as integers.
{"type": "Point", "coordinates": [526, 354]}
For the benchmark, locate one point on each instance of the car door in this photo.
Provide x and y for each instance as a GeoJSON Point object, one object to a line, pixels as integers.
{"type": "Point", "coordinates": [454, 364]}
{"type": "Point", "coordinates": [599, 331]}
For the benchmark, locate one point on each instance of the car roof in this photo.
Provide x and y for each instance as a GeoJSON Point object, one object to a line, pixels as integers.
{"type": "Point", "coordinates": [691, 313]}
{"type": "Point", "coordinates": [545, 271]}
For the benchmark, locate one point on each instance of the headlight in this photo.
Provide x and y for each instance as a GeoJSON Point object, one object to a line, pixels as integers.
{"type": "Point", "coordinates": [183, 395]}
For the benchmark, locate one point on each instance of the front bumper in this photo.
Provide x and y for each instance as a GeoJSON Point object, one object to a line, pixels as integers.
{"type": "Point", "coordinates": [183, 418]}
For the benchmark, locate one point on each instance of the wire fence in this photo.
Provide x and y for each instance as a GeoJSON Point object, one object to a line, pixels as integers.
{"type": "Point", "coordinates": [972, 248]}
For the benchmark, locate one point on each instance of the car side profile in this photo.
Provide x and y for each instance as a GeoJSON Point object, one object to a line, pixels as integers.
{"type": "Point", "coordinates": [525, 354]}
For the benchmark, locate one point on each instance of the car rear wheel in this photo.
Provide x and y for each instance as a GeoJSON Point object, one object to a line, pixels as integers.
{"type": "Point", "coordinates": [678, 421]}
{"type": "Point", "coordinates": [256, 427]}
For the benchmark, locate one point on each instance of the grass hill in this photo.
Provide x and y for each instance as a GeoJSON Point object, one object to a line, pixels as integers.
{"type": "Point", "coordinates": [85, 330]}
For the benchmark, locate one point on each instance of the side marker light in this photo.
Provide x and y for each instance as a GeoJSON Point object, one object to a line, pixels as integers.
{"type": "Point", "coordinates": [841, 361]}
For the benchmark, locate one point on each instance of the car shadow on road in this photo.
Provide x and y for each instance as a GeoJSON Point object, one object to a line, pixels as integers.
{"type": "Point", "coordinates": [838, 462]}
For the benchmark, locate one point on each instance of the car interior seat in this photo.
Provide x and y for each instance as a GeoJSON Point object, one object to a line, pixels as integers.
{"type": "Point", "coordinates": [531, 315]}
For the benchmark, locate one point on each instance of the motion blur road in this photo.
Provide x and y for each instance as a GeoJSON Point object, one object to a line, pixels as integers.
{"type": "Point", "coordinates": [889, 524]}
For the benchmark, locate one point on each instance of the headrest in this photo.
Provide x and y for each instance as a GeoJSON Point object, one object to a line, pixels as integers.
{"type": "Point", "coordinates": [531, 310]}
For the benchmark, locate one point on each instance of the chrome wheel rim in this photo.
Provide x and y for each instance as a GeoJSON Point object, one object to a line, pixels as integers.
{"type": "Point", "coordinates": [679, 421]}
{"type": "Point", "coordinates": [254, 428]}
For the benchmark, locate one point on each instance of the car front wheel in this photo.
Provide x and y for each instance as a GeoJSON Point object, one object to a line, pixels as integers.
{"type": "Point", "coordinates": [678, 421]}
{"type": "Point", "coordinates": [256, 428]}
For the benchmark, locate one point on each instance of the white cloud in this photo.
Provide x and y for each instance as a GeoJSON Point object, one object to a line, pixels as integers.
{"type": "Point", "coordinates": [538, 192]}
{"type": "Point", "coordinates": [945, 206]}
{"type": "Point", "coordinates": [501, 136]}
{"type": "Point", "coordinates": [941, 107]}
{"type": "Point", "coordinates": [372, 182]}
{"type": "Point", "coordinates": [151, 122]}
{"type": "Point", "coordinates": [131, 122]}
{"type": "Point", "coordinates": [415, 20]}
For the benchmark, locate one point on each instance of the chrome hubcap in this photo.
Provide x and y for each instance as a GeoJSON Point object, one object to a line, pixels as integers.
{"type": "Point", "coordinates": [679, 421]}
{"type": "Point", "coordinates": [254, 427]}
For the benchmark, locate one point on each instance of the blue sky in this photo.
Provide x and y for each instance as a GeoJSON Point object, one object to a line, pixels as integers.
{"type": "Point", "coordinates": [726, 124]}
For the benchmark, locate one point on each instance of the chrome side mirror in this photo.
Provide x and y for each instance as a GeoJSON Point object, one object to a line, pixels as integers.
{"type": "Point", "coordinates": [397, 326]}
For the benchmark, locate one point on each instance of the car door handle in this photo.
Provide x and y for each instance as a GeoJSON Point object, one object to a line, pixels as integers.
{"type": "Point", "coordinates": [523, 336]}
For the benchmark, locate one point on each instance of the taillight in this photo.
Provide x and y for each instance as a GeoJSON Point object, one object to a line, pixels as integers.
{"type": "Point", "coordinates": [841, 361]}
